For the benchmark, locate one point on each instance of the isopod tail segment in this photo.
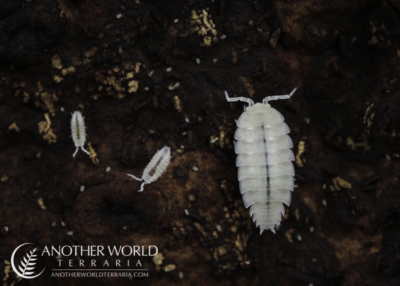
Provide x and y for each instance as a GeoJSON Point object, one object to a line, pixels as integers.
{"type": "Point", "coordinates": [138, 179]}
{"type": "Point", "coordinates": [82, 148]}
{"type": "Point", "coordinates": [265, 100]}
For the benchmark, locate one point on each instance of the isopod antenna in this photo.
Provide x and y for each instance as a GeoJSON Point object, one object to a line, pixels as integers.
{"type": "Point", "coordinates": [276, 97]}
{"type": "Point", "coordinates": [244, 99]}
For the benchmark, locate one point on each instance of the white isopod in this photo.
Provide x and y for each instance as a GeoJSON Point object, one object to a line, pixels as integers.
{"type": "Point", "coordinates": [156, 167]}
{"type": "Point", "coordinates": [264, 160]}
{"type": "Point", "coordinates": [78, 131]}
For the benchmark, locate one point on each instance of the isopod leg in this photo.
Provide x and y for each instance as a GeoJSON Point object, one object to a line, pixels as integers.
{"type": "Point", "coordinates": [76, 151]}
{"type": "Point", "coordinates": [136, 178]}
{"type": "Point", "coordinates": [276, 97]}
{"type": "Point", "coordinates": [141, 187]}
{"type": "Point", "coordinates": [244, 99]}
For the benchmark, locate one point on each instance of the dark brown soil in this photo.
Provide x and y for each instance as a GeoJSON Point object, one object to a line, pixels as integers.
{"type": "Point", "coordinates": [152, 73]}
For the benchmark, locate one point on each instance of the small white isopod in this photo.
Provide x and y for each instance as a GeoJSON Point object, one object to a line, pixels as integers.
{"type": "Point", "coordinates": [264, 161]}
{"type": "Point", "coordinates": [156, 167]}
{"type": "Point", "coordinates": [78, 131]}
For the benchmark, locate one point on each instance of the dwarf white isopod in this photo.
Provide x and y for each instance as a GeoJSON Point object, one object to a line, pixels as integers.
{"type": "Point", "coordinates": [78, 131]}
{"type": "Point", "coordinates": [265, 170]}
{"type": "Point", "coordinates": [156, 167]}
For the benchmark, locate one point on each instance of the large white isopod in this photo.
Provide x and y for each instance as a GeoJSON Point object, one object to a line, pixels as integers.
{"type": "Point", "coordinates": [264, 161]}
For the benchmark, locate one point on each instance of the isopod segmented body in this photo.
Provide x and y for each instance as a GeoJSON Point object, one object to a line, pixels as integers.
{"type": "Point", "coordinates": [156, 167]}
{"type": "Point", "coordinates": [264, 161]}
{"type": "Point", "coordinates": [78, 131]}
